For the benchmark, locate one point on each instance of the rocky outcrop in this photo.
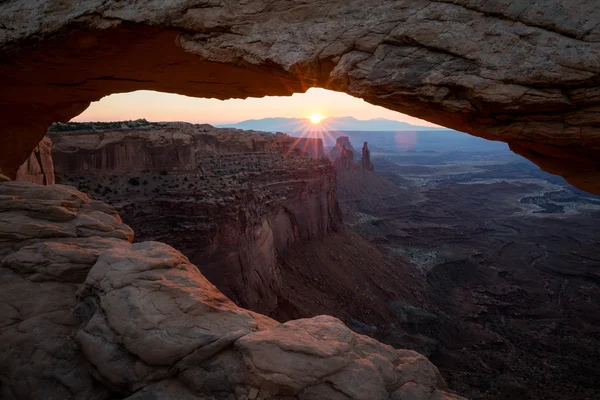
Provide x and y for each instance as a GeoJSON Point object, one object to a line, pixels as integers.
{"type": "Point", "coordinates": [526, 74]}
{"type": "Point", "coordinates": [239, 199]}
{"type": "Point", "coordinates": [343, 156]}
{"type": "Point", "coordinates": [39, 167]}
{"type": "Point", "coordinates": [341, 143]}
{"type": "Point", "coordinates": [86, 314]}
{"type": "Point", "coordinates": [365, 161]}
{"type": "Point", "coordinates": [345, 160]}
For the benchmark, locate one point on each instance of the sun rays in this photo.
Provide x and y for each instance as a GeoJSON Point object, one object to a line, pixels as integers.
{"type": "Point", "coordinates": [316, 118]}
{"type": "Point", "coordinates": [315, 128]}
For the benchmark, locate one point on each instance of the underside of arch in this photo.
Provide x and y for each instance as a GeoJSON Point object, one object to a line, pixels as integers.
{"type": "Point", "coordinates": [530, 78]}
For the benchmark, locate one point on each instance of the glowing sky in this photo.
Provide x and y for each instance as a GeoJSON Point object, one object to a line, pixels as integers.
{"type": "Point", "coordinates": [155, 106]}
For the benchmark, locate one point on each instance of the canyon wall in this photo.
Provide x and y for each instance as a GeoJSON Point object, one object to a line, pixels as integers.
{"type": "Point", "coordinates": [230, 200]}
{"type": "Point", "coordinates": [129, 146]}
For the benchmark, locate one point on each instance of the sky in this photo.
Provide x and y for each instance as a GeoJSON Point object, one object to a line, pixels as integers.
{"type": "Point", "coordinates": [156, 106]}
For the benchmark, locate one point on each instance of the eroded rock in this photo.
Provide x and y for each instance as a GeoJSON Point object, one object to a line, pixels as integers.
{"type": "Point", "coordinates": [526, 74]}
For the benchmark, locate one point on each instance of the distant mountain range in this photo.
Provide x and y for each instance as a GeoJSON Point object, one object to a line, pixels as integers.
{"type": "Point", "coordinates": [329, 124]}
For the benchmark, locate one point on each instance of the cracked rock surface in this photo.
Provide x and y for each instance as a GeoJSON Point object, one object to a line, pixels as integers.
{"type": "Point", "coordinates": [85, 314]}
{"type": "Point", "coordinates": [527, 73]}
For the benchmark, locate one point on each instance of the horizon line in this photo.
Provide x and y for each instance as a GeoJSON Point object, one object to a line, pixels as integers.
{"type": "Point", "coordinates": [246, 120]}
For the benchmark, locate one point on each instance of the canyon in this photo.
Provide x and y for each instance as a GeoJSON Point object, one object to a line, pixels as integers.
{"type": "Point", "coordinates": [87, 313]}
{"type": "Point", "coordinates": [90, 303]}
{"type": "Point", "coordinates": [440, 251]}
{"type": "Point", "coordinates": [230, 200]}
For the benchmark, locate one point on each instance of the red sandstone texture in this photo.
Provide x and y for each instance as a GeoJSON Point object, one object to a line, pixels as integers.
{"type": "Point", "coordinates": [525, 74]}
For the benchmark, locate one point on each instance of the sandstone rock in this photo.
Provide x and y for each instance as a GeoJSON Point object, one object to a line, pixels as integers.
{"type": "Point", "coordinates": [51, 237]}
{"type": "Point", "coordinates": [345, 161]}
{"type": "Point", "coordinates": [153, 298]}
{"type": "Point", "coordinates": [145, 324]}
{"type": "Point", "coordinates": [63, 260]}
{"type": "Point", "coordinates": [365, 161]}
{"type": "Point", "coordinates": [525, 74]}
{"type": "Point", "coordinates": [30, 213]}
{"type": "Point", "coordinates": [39, 167]}
{"type": "Point", "coordinates": [322, 358]}
{"type": "Point", "coordinates": [341, 143]}
{"type": "Point", "coordinates": [310, 146]}
{"type": "Point", "coordinates": [343, 156]}
{"type": "Point", "coordinates": [38, 357]}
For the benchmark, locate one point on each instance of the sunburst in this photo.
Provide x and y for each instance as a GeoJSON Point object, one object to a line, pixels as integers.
{"type": "Point", "coordinates": [316, 118]}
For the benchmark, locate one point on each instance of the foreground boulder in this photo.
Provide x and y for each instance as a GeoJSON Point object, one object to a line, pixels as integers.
{"type": "Point", "coordinates": [85, 314]}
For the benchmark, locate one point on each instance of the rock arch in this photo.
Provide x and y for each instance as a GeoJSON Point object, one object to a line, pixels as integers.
{"type": "Point", "coordinates": [526, 74]}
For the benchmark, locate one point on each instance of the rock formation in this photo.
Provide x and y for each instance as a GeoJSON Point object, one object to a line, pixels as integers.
{"type": "Point", "coordinates": [365, 161]}
{"type": "Point", "coordinates": [38, 168]}
{"type": "Point", "coordinates": [341, 143]}
{"type": "Point", "coordinates": [344, 158]}
{"type": "Point", "coordinates": [526, 74]}
{"type": "Point", "coordinates": [230, 200]}
{"type": "Point", "coordinates": [88, 315]}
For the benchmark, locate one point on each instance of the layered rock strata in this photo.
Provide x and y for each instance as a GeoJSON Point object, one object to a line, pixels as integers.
{"type": "Point", "coordinates": [230, 200]}
{"type": "Point", "coordinates": [87, 314]}
{"type": "Point", "coordinates": [130, 146]}
{"type": "Point", "coordinates": [524, 73]}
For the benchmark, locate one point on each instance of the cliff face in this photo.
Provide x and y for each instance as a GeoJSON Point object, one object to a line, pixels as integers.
{"type": "Point", "coordinates": [139, 145]}
{"type": "Point", "coordinates": [85, 314]}
{"type": "Point", "coordinates": [39, 167]}
{"type": "Point", "coordinates": [232, 204]}
{"type": "Point", "coordinates": [365, 160]}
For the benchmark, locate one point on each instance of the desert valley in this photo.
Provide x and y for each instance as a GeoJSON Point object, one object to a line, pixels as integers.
{"type": "Point", "coordinates": [392, 200]}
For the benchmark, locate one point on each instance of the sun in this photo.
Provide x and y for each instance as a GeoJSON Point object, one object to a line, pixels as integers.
{"type": "Point", "coordinates": [316, 118]}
